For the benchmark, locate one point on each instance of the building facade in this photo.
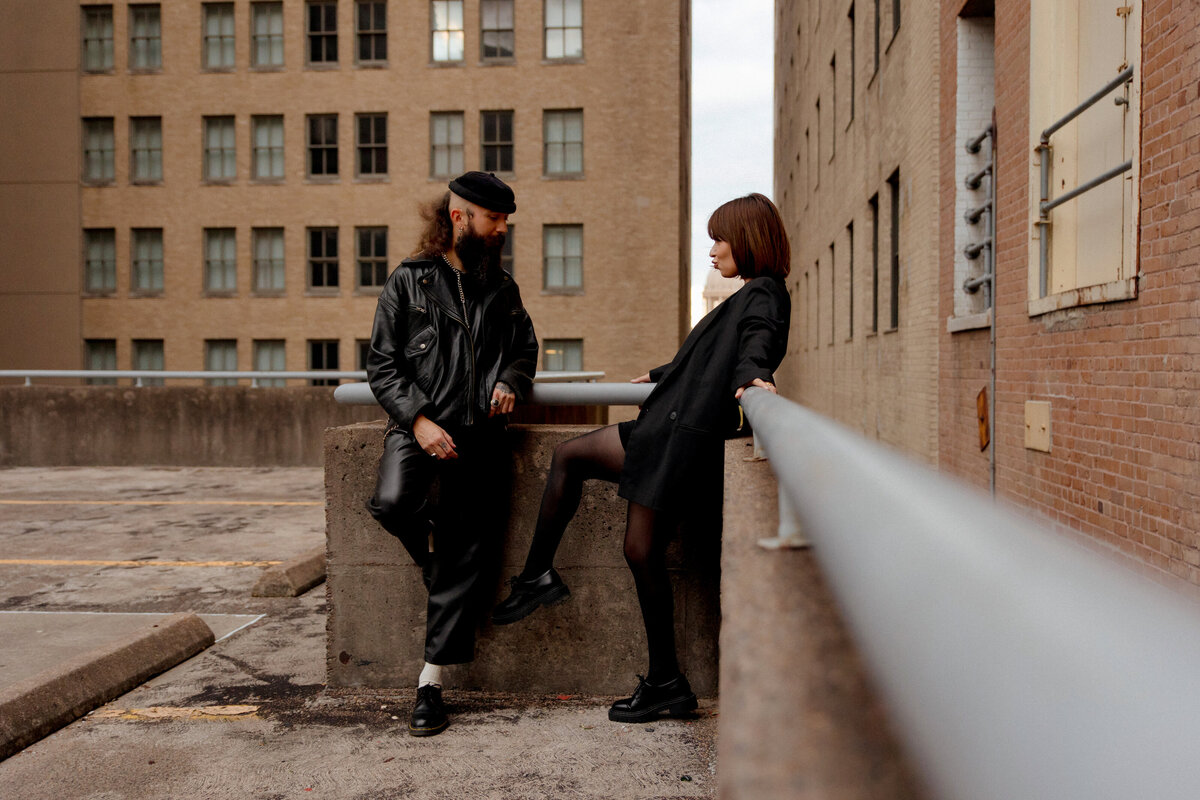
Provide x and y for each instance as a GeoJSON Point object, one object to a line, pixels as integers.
{"type": "Point", "coordinates": [226, 185]}
{"type": "Point", "coordinates": [856, 181]}
{"type": "Point", "coordinates": [1047, 343]}
{"type": "Point", "coordinates": [1097, 346]}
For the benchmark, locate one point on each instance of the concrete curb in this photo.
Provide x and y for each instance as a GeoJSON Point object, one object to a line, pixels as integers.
{"type": "Point", "coordinates": [35, 707]}
{"type": "Point", "coordinates": [292, 578]}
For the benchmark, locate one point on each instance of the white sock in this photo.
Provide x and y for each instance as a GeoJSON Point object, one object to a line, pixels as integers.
{"type": "Point", "coordinates": [431, 674]}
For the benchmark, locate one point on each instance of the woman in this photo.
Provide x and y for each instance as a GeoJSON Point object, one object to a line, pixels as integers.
{"type": "Point", "coordinates": [674, 451]}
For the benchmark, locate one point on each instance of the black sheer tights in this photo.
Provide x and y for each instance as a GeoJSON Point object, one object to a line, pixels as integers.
{"type": "Point", "coordinates": [600, 455]}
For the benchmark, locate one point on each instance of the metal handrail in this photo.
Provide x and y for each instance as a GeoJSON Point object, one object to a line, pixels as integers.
{"type": "Point", "coordinates": [253, 375]}
{"type": "Point", "coordinates": [1046, 205]}
{"type": "Point", "coordinates": [1015, 663]}
{"type": "Point", "coordinates": [546, 393]}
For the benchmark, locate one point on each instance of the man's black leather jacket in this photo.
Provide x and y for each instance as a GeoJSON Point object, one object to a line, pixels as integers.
{"type": "Point", "coordinates": [439, 352]}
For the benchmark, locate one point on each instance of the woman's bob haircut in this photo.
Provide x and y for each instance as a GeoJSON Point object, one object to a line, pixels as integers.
{"type": "Point", "coordinates": [754, 230]}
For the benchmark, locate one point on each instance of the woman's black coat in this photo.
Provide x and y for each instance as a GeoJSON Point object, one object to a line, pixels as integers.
{"type": "Point", "coordinates": [675, 453]}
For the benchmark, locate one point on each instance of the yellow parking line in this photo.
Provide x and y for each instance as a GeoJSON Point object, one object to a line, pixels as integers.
{"type": "Point", "coordinates": [162, 502]}
{"type": "Point", "coordinates": [51, 562]}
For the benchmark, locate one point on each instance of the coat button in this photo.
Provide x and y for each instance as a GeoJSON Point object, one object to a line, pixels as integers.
{"type": "Point", "coordinates": [422, 346]}
{"type": "Point", "coordinates": [673, 415]}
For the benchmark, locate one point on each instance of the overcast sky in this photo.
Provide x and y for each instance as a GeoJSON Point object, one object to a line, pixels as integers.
{"type": "Point", "coordinates": [732, 126]}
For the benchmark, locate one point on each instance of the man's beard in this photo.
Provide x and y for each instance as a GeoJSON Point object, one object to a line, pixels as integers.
{"type": "Point", "coordinates": [480, 255]}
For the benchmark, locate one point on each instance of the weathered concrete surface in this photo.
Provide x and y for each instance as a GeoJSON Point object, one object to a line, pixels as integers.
{"type": "Point", "coordinates": [798, 718]}
{"type": "Point", "coordinates": [44, 702]}
{"type": "Point", "coordinates": [250, 716]}
{"type": "Point", "coordinates": [594, 643]}
{"type": "Point", "coordinates": [293, 577]}
{"type": "Point", "coordinates": [230, 426]}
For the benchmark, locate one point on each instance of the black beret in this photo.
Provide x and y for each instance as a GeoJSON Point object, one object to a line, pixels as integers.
{"type": "Point", "coordinates": [485, 189]}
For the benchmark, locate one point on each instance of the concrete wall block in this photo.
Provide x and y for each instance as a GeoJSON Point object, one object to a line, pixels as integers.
{"type": "Point", "coordinates": [594, 643]}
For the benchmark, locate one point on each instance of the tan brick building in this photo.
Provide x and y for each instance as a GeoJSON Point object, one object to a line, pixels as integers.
{"type": "Point", "coordinates": [856, 89]}
{"type": "Point", "coordinates": [226, 184]}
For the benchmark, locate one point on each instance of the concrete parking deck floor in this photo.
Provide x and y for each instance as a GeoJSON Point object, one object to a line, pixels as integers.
{"type": "Point", "coordinates": [89, 553]}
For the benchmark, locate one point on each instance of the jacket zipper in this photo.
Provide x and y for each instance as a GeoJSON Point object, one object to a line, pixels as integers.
{"type": "Point", "coordinates": [462, 297]}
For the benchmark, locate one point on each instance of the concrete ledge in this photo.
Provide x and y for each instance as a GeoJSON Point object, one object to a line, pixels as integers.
{"type": "Point", "coordinates": [294, 577]}
{"type": "Point", "coordinates": [38, 706]}
{"type": "Point", "coordinates": [593, 644]}
{"type": "Point", "coordinates": [798, 718]}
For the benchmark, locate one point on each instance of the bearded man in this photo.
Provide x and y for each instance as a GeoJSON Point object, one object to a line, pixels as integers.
{"type": "Point", "coordinates": [452, 351]}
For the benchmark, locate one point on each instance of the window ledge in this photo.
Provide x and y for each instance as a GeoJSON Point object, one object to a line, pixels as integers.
{"type": "Point", "coordinates": [440, 64]}
{"type": "Point", "coordinates": [226, 293]}
{"type": "Point", "coordinates": [563, 292]}
{"type": "Point", "coordinates": [311, 292]}
{"type": "Point", "coordinates": [267, 181]}
{"type": "Point", "coordinates": [323, 66]}
{"type": "Point", "coordinates": [141, 293]}
{"type": "Point", "coordinates": [268, 293]}
{"type": "Point", "coordinates": [219, 181]}
{"type": "Point", "coordinates": [969, 322]}
{"type": "Point", "coordinates": [564, 60]}
{"type": "Point", "coordinates": [368, 291]}
{"type": "Point", "coordinates": [267, 67]}
{"type": "Point", "coordinates": [564, 176]}
{"type": "Point", "coordinates": [498, 62]}
{"type": "Point", "coordinates": [371, 64]}
{"type": "Point", "coordinates": [372, 179]}
{"type": "Point", "coordinates": [1087, 295]}
{"type": "Point", "coordinates": [322, 179]}
{"type": "Point", "coordinates": [219, 70]}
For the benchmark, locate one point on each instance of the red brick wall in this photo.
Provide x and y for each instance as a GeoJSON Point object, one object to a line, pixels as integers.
{"type": "Point", "coordinates": [1123, 378]}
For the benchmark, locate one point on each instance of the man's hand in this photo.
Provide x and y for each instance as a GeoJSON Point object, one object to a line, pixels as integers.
{"type": "Point", "coordinates": [433, 439]}
{"type": "Point", "coordinates": [503, 399]}
{"type": "Point", "coordinates": [770, 387]}
{"type": "Point", "coordinates": [641, 378]}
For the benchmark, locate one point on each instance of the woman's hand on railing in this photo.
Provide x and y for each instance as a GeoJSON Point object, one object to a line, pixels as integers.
{"type": "Point", "coordinates": [770, 387]}
{"type": "Point", "coordinates": [641, 378]}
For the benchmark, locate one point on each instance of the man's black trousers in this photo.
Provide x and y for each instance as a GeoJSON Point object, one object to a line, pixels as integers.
{"type": "Point", "coordinates": [465, 501]}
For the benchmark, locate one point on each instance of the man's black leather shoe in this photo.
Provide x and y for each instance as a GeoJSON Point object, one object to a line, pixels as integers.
{"type": "Point", "coordinates": [546, 589]}
{"type": "Point", "coordinates": [674, 697]}
{"type": "Point", "coordinates": [428, 714]}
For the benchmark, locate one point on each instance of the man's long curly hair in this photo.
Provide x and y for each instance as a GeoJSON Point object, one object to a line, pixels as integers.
{"type": "Point", "coordinates": [438, 234]}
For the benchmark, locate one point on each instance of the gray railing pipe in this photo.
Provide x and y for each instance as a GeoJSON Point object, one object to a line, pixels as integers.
{"type": "Point", "coordinates": [544, 394]}
{"type": "Point", "coordinates": [1108, 175]}
{"type": "Point", "coordinates": [1016, 664]}
{"type": "Point", "coordinates": [1124, 76]}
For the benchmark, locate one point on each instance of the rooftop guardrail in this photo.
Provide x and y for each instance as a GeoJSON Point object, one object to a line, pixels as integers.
{"type": "Point", "coordinates": [1016, 663]}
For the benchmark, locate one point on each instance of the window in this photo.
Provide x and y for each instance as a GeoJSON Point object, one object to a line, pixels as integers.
{"type": "Point", "coordinates": [372, 257]}
{"type": "Point", "coordinates": [268, 260]}
{"type": "Point", "coordinates": [833, 292]}
{"type": "Point", "coordinates": [1090, 242]}
{"type": "Point", "coordinates": [894, 219]}
{"type": "Point", "coordinates": [267, 132]}
{"type": "Point", "coordinates": [362, 349]}
{"type": "Point", "coordinates": [220, 355]}
{"type": "Point", "coordinates": [506, 252]}
{"type": "Point", "coordinates": [100, 354]}
{"type": "Point", "coordinates": [220, 260]}
{"type": "Point", "coordinates": [563, 264]}
{"type": "Point", "coordinates": [497, 41]}
{"type": "Point", "coordinates": [147, 251]}
{"type": "Point", "coordinates": [875, 70]}
{"type": "Point", "coordinates": [148, 355]}
{"type": "Point", "coordinates": [833, 107]}
{"type": "Point", "coordinates": [817, 146]}
{"type": "Point", "coordinates": [145, 143]}
{"type": "Point", "coordinates": [97, 38]}
{"type": "Point", "coordinates": [850, 273]}
{"type": "Point", "coordinates": [145, 37]}
{"type": "Point", "coordinates": [564, 28]}
{"type": "Point", "coordinates": [563, 135]}
{"type": "Point", "coordinates": [496, 135]}
{"type": "Point", "coordinates": [98, 164]}
{"type": "Point", "coordinates": [322, 32]}
{"type": "Point", "coordinates": [270, 356]}
{"type": "Point", "coordinates": [447, 30]}
{"type": "Point", "coordinates": [266, 34]}
{"type": "Point", "coordinates": [874, 205]}
{"type": "Point", "coordinates": [100, 260]}
{"type": "Point", "coordinates": [372, 144]}
{"type": "Point", "coordinates": [322, 258]}
{"type": "Point", "coordinates": [218, 36]}
{"type": "Point", "coordinates": [220, 154]}
{"type": "Point", "coordinates": [371, 28]}
{"type": "Point", "coordinates": [446, 144]}
{"type": "Point", "coordinates": [853, 62]}
{"type": "Point", "coordinates": [323, 354]}
{"type": "Point", "coordinates": [562, 355]}
{"type": "Point", "coordinates": [322, 145]}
